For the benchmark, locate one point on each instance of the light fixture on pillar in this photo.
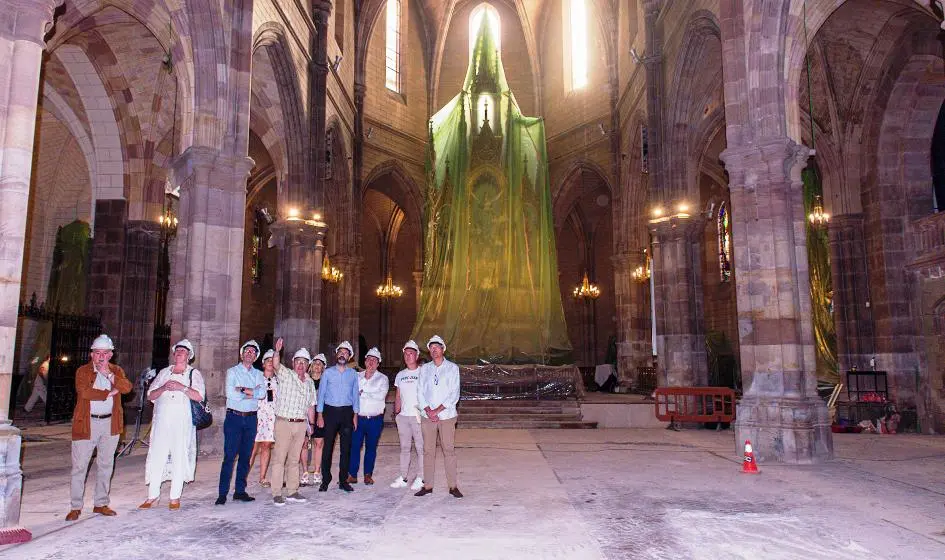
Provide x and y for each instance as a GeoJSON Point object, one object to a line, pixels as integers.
{"type": "Point", "coordinates": [586, 290]}
{"type": "Point", "coordinates": [330, 274]}
{"type": "Point", "coordinates": [388, 290]}
{"type": "Point", "coordinates": [818, 218]}
{"type": "Point", "coordinates": [168, 222]}
{"type": "Point", "coordinates": [641, 273]}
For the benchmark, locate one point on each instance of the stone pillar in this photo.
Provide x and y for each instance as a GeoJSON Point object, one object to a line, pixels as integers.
{"type": "Point", "coordinates": [138, 294]}
{"type": "Point", "coordinates": [207, 270]}
{"type": "Point", "coordinates": [107, 266]}
{"type": "Point", "coordinates": [318, 79]}
{"type": "Point", "coordinates": [851, 311]}
{"type": "Point", "coordinates": [780, 411]}
{"type": "Point", "coordinates": [349, 299]}
{"type": "Point", "coordinates": [634, 348]}
{"type": "Point", "coordinates": [23, 25]}
{"type": "Point", "coordinates": [299, 310]}
{"type": "Point", "coordinates": [677, 280]}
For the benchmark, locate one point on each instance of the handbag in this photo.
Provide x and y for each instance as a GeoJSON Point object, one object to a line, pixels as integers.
{"type": "Point", "coordinates": [199, 411]}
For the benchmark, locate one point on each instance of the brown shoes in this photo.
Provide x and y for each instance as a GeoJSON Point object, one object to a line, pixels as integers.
{"type": "Point", "coordinates": [368, 479]}
{"type": "Point", "coordinates": [174, 505]}
{"type": "Point", "coordinates": [104, 510]}
{"type": "Point", "coordinates": [424, 491]}
{"type": "Point", "coordinates": [148, 503]}
{"type": "Point", "coordinates": [73, 515]}
{"type": "Point", "coordinates": [352, 479]}
{"type": "Point", "coordinates": [456, 493]}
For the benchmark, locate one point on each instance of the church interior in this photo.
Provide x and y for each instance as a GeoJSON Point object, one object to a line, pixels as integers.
{"type": "Point", "coordinates": [712, 193]}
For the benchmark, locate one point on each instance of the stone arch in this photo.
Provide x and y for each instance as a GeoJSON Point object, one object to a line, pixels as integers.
{"type": "Point", "coordinates": [62, 111]}
{"type": "Point", "coordinates": [568, 190]}
{"type": "Point", "coordinates": [694, 85]}
{"type": "Point", "coordinates": [410, 197]}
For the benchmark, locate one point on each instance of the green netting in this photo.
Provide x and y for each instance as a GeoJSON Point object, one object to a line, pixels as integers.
{"type": "Point", "coordinates": [490, 276]}
{"type": "Point", "coordinates": [821, 285]}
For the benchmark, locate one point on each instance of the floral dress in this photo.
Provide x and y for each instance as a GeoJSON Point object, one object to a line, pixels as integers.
{"type": "Point", "coordinates": [266, 416]}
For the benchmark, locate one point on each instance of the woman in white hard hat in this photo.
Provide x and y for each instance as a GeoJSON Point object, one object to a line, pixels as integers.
{"type": "Point", "coordinates": [173, 435]}
{"type": "Point", "coordinates": [266, 420]}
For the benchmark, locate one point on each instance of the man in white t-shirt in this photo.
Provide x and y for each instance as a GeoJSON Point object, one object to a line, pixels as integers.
{"type": "Point", "coordinates": [408, 419]}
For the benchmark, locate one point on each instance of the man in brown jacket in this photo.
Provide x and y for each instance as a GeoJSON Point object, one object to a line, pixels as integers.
{"type": "Point", "coordinates": [96, 425]}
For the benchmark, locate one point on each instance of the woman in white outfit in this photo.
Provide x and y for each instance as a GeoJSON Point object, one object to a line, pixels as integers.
{"type": "Point", "coordinates": [172, 454]}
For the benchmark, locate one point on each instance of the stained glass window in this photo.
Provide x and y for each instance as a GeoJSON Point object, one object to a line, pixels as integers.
{"type": "Point", "coordinates": [725, 244]}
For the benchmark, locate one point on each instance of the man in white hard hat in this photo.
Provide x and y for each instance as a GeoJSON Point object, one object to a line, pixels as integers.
{"type": "Point", "coordinates": [245, 385]}
{"type": "Point", "coordinates": [338, 404]}
{"type": "Point", "coordinates": [373, 387]}
{"type": "Point", "coordinates": [295, 404]}
{"type": "Point", "coordinates": [437, 396]}
{"type": "Point", "coordinates": [408, 418]}
{"type": "Point", "coordinates": [96, 425]}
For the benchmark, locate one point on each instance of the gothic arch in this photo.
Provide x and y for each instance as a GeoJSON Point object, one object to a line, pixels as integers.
{"type": "Point", "coordinates": [567, 191]}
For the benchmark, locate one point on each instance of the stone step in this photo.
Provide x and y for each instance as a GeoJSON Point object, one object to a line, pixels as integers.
{"type": "Point", "coordinates": [519, 402]}
{"type": "Point", "coordinates": [528, 425]}
{"type": "Point", "coordinates": [576, 411]}
{"type": "Point", "coordinates": [520, 417]}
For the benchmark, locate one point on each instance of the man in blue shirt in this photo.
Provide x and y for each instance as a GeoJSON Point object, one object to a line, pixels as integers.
{"type": "Point", "coordinates": [338, 406]}
{"type": "Point", "coordinates": [245, 385]}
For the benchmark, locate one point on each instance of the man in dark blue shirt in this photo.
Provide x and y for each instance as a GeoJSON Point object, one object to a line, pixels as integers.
{"type": "Point", "coordinates": [338, 407]}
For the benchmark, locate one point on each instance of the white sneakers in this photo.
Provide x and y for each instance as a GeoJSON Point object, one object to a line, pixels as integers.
{"type": "Point", "coordinates": [399, 482]}
{"type": "Point", "coordinates": [417, 483]}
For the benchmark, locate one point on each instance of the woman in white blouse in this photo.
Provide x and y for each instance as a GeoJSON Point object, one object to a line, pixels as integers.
{"type": "Point", "coordinates": [172, 454]}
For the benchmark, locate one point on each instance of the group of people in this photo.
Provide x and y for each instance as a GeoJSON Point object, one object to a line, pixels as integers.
{"type": "Point", "coordinates": [281, 415]}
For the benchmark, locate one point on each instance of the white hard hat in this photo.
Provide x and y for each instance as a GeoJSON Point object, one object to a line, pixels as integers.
{"type": "Point", "coordinates": [375, 353]}
{"type": "Point", "coordinates": [436, 339]}
{"type": "Point", "coordinates": [249, 344]}
{"type": "Point", "coordinates": [185, 344]}
{"type": "Point", "coordinates": [302, 353]}
{"type": "Point", "coordinates": [321, 358]}
{"type": "Point", "coordinates": [412, 345]}
{"type": "Point", "coordinates": [347, 346]}
{"type": "Point", "coordinates": [269, 353]}
{"type": "Point", "coordinates": [103, 342]}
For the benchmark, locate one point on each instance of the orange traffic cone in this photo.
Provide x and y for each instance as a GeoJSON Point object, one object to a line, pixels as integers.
{"type": "Point", "coordinates": [749, 465]}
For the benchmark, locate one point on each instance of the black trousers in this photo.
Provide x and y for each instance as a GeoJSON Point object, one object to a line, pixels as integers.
{"type": "Point", "coordinates": [339, 420]}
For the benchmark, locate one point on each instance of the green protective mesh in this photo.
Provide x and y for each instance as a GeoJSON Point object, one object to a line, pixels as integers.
{"type": "Point", "coordinates": [490, 275]}
{"type": "Point", "coordinates": [821, 285]}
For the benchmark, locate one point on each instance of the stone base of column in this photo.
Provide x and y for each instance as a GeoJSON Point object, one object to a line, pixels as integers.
{"type": "Point", "coordinates": [11, 487]}
{"type": "Point", "coordinates": [784, 430]}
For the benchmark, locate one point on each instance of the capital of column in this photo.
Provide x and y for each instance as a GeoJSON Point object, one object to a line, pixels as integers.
{"type": "Point", "coordinates": [296, 231]}
{"type": "Point", "coordinates": [213, 167]}
{"type": "Point", "coordinates": [776, 160]}
{"type": "Point", "coordinates": [27, 20]}
{"type": "Point", "coordinates": [676, 226]}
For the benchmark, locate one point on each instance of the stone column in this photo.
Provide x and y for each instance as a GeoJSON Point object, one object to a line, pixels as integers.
{"type": "Point", "coordinates": [318, 79]}
{"type": "Point", "coordinates": [780, 411]}
{"type": "Point", "coordinates": [22, 27]}
{"type": "Point", "coordinates": [349, 299]}
{"type": "Point", "coordinates": [138, 293]}
{"type": "Point", "coordinates": [677, 280]}
{"type": "Point", "coordinates": [207, 270]}
{"type": "Point", "coordinates": [634, 349]}
{"type": "Point", "coordinates": [299, 311]}
{"type": "Point", "coordinates": [418, 286]}
{"type": "Point", "coordinates": [852, 317]}
{"type": "Point", "coordinates": [107, 266]}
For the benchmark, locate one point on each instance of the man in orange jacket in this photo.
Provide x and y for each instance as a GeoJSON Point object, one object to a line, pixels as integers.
{"type": "Point", "coordinates": [96, 424]}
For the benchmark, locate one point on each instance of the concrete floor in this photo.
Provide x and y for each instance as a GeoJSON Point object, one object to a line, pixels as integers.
{"type": "Point", "coordinates": [529, 494]}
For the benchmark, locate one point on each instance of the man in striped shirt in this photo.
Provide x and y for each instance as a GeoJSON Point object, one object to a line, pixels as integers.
{"type": "Point", "coordinates": [294, 403]}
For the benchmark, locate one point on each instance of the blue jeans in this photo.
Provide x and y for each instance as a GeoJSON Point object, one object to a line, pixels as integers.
{"type": "Point", "coordinates": [368, 433]}
{"type": "Point", "coordinates": [239, 435]}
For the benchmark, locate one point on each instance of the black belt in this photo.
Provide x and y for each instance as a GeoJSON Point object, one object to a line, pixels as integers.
{"type": "Point", "coordinates": [101, 416]}
{"type": "Point", "coordinates": [369, 417]}
{"type": "Point", "coordinates": [241, 413]}
{"type": "Point", "coordinates": [291, 419]}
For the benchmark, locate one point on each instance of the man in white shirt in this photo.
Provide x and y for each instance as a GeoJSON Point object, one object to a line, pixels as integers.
{"type": "Point", "coordinates": [437, 396]}
{"type": "Point", "coordinates": [372, 386]}
{"type": "Point", "coordinates": [408, 419]}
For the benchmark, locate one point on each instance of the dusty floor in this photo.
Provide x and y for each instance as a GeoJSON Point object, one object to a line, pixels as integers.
{"type": "Point", "coordinates": [538, 494]}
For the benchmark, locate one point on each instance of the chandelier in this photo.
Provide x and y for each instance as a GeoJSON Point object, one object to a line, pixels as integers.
{"type": "Point", "coordinates": [168, 223]}
{"type": "Point", "coordinates": [388, 290]}
{"type": "Point", "coordinates": [641, 274]}
{"type": "Point", "coordinates": [586, 290]}
{"type": "Point", "coordinates": [818, 218]}
{"type": "Point", "coordinates": [330, 274]}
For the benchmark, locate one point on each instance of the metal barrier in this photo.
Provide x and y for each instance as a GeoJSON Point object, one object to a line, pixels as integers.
{"type": "Point", "coordinates": [695, 404]}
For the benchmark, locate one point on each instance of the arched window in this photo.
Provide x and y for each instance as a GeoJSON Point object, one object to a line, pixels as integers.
{"type": "Point", "coordinates": [938, 161]}
{"type": "Point", "coordinates": [475, 22]}
{"type": "Point", "coordinates": [725, 244]}
{"type": "Point", "coordinates": [393, 45]}
{"type": "Point", "coordinates": [575, 43]}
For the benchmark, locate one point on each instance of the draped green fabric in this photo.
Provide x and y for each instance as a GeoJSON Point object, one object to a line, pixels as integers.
{"type": "Point", "coordinates": [490, 275]}
{"type": "Point", "coordinates": [821, 285]}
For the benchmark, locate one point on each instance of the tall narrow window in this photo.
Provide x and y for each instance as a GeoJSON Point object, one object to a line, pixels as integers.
{"type": "Point", "coordinates": [393, 45]}
{"type": "Point", "coordinates": [489, 12]}
{"type": "Point", "coordinates": [340, 24]}
{"type": "Point", "coordinates": [577, 15]}
{"type": "Point", "coordinates": [725, 244]}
